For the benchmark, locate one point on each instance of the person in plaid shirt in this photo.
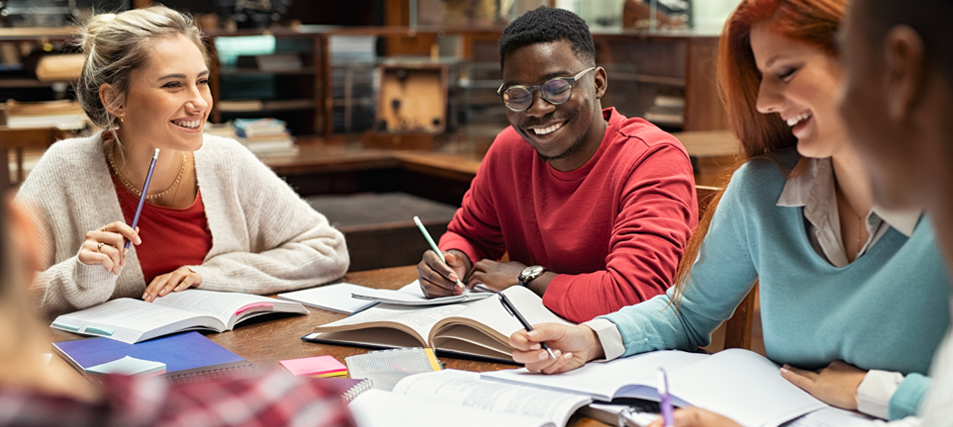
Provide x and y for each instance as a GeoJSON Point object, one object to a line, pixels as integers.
{"type": "Point", "coordinates": [33, 393]}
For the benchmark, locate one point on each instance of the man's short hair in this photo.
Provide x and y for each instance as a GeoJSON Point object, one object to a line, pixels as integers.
{"type": "Point", "coordinates": [930, 18]}
{"type": "Point", "coordinates": [547, 24]}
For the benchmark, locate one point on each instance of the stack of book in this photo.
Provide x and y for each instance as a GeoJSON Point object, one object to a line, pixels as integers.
{"type": "Point", "coordinates": [265, 137]}
{"type": "Point", "coordinates": [62, 114]}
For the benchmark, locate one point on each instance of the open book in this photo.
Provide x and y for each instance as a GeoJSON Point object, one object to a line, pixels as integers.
{"type": "Point", "coordinates": [439, 398]}
{"type": "Point", "coordinates": [476, 328]}
{"type": "Point", "coordinates": [133, 320]}
{"type": "Point", "coordinates": [739, 384]}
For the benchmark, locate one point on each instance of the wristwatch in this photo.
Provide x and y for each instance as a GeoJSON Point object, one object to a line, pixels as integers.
{"type": "Point", "coordinates": [530, 273]}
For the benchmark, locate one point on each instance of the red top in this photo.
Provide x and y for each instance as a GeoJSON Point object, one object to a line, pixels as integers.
{"type": "Point", "coordinates": [613, 229]}
{"type": "Point", "coordinates": [170, 237]}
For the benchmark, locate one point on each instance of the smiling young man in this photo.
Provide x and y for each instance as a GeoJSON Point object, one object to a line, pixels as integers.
{"type": "Point", "coordinates": [592, 208]}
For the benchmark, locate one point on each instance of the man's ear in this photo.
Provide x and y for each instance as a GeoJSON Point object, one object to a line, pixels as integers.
{"type": "Point", "coordinates": [904, 63]}
{"type": "Point", "coordinates": [602, 81]}
{"type": "Point", "coordinates": [107, 95]}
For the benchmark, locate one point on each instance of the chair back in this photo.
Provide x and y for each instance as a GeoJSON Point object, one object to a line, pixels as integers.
{"type": "Point", "coordinates": [20, 139]}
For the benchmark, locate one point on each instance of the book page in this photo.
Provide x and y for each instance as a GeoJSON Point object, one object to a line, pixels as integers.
{"type": "Point", "coordinates": [603, 380]}
{"type": "Point", "coordinates": [415, 321]}
{"type": "Point", "coordinates": [378, 408]}
{"type": "Point", "coordinates": [744, 386]}
{"type": "Point", "coordinates": [490, 323]}
{"type": "Point", "coordinates": [467, 389]}
{"type": "Point", "coordinates": [221, 305]}
{"type": "Point", "coordinates": [334, 297]}
{"type": "Point", "coordinates": [412, 295]}
{"type": "Point", "coordinates": [132, 320]}
{"type": "Point", "coordinates": [832, 417]}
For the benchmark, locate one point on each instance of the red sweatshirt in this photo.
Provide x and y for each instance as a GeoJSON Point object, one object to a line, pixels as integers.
{"type": "Point", "coordinates": [613, 229]}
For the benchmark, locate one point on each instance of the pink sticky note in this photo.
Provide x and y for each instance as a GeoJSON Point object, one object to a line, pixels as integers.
{"type": "Point", "coordinates": [319, 365]}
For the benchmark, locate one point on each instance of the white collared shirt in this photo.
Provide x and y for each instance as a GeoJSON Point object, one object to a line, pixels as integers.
{"type": "Point", "coordinates": [814, 191]}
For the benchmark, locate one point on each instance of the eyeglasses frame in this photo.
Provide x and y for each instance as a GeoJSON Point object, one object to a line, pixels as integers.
{"type": "Point", "coordinates": [531, 89]}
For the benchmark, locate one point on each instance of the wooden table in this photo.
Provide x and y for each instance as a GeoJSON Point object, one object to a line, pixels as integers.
{"type": "Point", "coordinates": [266, 342]}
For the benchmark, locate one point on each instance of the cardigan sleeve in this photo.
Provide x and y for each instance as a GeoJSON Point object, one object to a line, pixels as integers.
{"type": "Point", "coordinates": [60, 209]}
{"type": "Point", "coordinates": [265, 238]}
{"type": "Point", "coordinates": [656, 217]}
{"type": "Point", "coordinates": [722, 275]}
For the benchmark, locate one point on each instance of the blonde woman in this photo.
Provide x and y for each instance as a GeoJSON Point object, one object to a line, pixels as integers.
{"type": "Point", "coordinates": [215, 217]}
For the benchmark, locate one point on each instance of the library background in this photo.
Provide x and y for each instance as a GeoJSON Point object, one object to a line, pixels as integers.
{"type": "Point", "coordinates": [374, 110]}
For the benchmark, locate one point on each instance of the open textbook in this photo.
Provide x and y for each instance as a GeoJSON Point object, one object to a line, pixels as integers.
{"type": "Point", "coordinates": [132, 320]}
{"type": "Point", "coordinates": [476, 328]}
{"type": "Point", "coordinates": [459, 398]}
{"type": "Point", "coordinates": [739, 384]}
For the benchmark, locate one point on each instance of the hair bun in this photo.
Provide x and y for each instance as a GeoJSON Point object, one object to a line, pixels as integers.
{"type": "Point", "coordinates": [95, 26]}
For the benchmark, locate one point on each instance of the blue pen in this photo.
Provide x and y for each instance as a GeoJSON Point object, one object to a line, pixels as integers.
{"type": "Point", "coordinates": [433, 245]}
{"type": "Point", "coordinates": [142, 196]}
{"type": "Point", "coordinates": [668, 420]}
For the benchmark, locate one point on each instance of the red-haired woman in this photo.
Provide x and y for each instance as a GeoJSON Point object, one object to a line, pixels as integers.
{"type": "Point", "coordinates": [853, 298]}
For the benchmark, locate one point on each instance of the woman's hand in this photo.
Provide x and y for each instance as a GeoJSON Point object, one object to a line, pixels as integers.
{"type": "Point", "coordinates": [179, 280]}
{"type": "Point", "coordinates": [694, 417]}
{"type": "Point", "coordinates": [573, 345]}
{"type": "Point", "coordinates": [836, 384]}
{"type": "Point", "coordinates": [105, 246]}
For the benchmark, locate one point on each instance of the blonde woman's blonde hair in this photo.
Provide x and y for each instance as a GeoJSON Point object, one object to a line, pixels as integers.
{"type": "Point", "coordinates": [117, 44]}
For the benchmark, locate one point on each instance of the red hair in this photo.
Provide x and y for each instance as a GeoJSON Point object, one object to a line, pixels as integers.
{"type": "Point", "coordinates": [813, 22]}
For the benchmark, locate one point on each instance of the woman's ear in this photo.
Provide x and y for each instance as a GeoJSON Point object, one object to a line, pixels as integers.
{"type": "Point", "coordinates": [107, 96]}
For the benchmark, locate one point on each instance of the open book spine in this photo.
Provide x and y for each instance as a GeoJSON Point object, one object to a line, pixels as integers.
{"type": "Point", "coordinates": [210, 373]}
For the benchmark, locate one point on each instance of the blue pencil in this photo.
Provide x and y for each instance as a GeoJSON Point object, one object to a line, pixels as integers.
{"type": "Point", "coordinates": [142, 196]}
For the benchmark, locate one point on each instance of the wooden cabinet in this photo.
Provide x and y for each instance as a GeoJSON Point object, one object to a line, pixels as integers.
{"type": "Point", "coordinates": [253, 86]}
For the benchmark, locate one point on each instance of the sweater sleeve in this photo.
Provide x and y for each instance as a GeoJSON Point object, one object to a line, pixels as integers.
{"type": "Point", "coordinates": [475, 227]}
{"type": "Point", "coordinates": [58, 208]}
{"type": "Point", "coordinates": [721, 276]}
{"type": "Point", "coordinates": [657, 214]}
{"type": "Point", "coordinates": [265, 238]}
{"type": "Point", "coordinates": [909, 395]}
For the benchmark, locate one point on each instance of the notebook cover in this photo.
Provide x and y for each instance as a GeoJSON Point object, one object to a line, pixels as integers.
{"type": "Point", "coordinates": [187, 356]}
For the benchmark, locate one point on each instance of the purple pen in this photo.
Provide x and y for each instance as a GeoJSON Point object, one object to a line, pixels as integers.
{"type": "Point", "coordinates": [142, 196]}
{"type": "Point", "coordinates": [668, 420]}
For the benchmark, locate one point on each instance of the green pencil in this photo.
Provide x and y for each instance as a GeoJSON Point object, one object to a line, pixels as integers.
{"type": "Point", "coordinates": [433, 245]}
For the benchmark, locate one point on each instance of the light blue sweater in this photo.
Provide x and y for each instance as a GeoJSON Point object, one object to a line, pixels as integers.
{"type": "Point", "coordinates": [886, 310]}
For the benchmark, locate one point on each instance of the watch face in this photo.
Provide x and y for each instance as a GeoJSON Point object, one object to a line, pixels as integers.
{"type": "Point", "coordinates": [532, 271]}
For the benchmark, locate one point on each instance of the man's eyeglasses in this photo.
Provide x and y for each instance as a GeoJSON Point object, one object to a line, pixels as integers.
{"type": "Point", "coordinates": [556, 91]}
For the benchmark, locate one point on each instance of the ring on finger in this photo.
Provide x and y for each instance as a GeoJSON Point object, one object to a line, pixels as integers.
{"type": "Point", "coordinates": [103, 229]}
{"type": "Point", "coordinates": [99, 247]}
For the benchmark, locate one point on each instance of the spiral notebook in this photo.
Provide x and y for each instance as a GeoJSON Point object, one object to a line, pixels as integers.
{"type": "Point", "coordinates": [188, 356]}
{"type": "Point", "coordinates": [349, 388]}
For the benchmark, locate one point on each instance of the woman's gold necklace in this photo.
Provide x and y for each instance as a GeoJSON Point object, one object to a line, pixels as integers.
{"type": "Point", "coordinates": [138, 192]}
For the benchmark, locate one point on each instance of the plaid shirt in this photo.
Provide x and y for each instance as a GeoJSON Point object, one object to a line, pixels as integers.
{"type": "Point", "coordinates": [273, 399]}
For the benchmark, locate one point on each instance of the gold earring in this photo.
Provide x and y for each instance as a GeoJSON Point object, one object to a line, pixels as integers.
{"type": "Point", "coordinates": [121, 117]}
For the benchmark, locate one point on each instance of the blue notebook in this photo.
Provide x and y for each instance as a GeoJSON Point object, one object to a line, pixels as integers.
{"type": "Point", "coordinates": [188, 356]}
